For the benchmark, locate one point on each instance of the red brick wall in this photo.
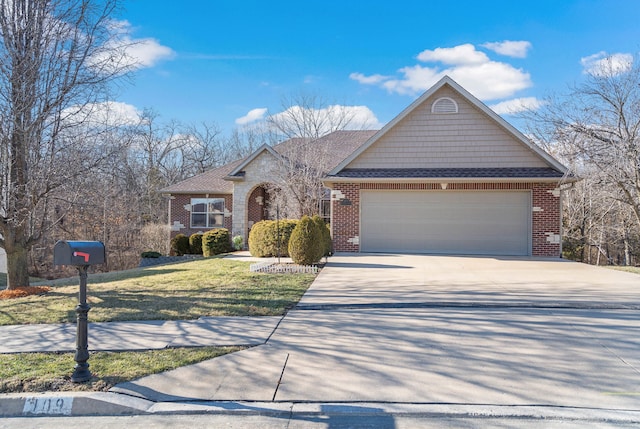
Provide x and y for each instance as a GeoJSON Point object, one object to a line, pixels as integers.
{"type": "Point", "coordinates": [179, 214]}
{"type": "Point", "coordinates": [256, 211]}
{"type": "Point", "coordinates": [547, 221]}
{"type": "Point", "coordinates": [345, 219]}
{"type": "Point", "coordinates": [545, 217]}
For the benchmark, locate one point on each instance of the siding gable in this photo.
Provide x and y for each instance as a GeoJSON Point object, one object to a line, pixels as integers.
{"type": "Point", "coordinates": [467, 139]}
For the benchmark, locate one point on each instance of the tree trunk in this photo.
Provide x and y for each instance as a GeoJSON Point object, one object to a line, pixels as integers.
{"type": "Point", "coordinates": [17, 266]}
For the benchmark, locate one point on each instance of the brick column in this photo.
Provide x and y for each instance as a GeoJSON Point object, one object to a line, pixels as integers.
{"type": "Point", "coordinates": [546, 220]}
{"type": "Point", "coordinates": [345, 217]}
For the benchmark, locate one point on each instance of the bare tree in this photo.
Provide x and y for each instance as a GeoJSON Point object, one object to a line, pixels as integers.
{"type": "Point", "coordinates": [596, 129]}
{"type": "Point", "coordinates": [204, 148]}
{"type": "Point", "coordinates": [55, 55]}
{"type": "Point", "coordinates": [309, 116]}
{"type": "Point", "coordinates": [305, 158]}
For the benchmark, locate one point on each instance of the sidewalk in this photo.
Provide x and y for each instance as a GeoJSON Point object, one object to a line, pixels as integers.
{"type": "Point", "coordinates": [145, 335]}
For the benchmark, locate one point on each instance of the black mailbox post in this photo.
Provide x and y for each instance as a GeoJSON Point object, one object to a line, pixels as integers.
{"type": "Point", "coordinates": [81, 254]}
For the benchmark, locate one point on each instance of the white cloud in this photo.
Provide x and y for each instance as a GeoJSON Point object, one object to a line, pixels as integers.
{"type": "Point", "coordinates": [474, 70]}
{"type": "Point", "coordinates": [109, 114]}
{"type": "Point", "coordinates": [357, 117]}
{"type": "Point", "coordinates": [368, 80]}
{"type": "Point", "coordinates": [458, 55]}
{"type": "Point", "coordinates": [510, 48]}
{"type": "Point", "coordinates": [253, 116]}
{"type": "Point", "coordinates": [516, 105]}
{"type": "Point", "coordinates": [131, 53]}
{"type": "Point", "coordinates": [603, 64]}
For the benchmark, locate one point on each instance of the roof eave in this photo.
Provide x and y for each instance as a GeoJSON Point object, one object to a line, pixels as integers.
{"type": "Point", "coordinates": [331, 180]}
{"type": "Point", "coordinates": [195, 192]}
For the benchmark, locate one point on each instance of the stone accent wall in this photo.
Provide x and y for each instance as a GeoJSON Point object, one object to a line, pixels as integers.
{"type": "Point", "coordinates": [180, 221]}
{"type": "Point", "coordinates": [257, 173]}
{"type": "Point", "coordinates": [545, 216]}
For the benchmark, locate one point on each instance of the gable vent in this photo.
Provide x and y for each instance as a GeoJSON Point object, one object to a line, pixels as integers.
{"type": "Point", "coordinates": [444, 105]}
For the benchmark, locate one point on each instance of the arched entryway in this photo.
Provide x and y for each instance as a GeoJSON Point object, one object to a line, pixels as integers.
{"type": "Point", "coordinates": [258, 206]}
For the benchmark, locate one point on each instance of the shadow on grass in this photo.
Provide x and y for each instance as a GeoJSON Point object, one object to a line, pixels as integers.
{"type": "Point", "coordinates": [97, 278]}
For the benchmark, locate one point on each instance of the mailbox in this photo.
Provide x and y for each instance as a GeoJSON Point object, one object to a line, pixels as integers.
{"type": "Point", "coordinates": [78, 253]}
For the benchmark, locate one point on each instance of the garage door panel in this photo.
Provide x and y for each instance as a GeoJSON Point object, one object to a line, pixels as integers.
{"type": "Point", "coordinates": [457, 222]}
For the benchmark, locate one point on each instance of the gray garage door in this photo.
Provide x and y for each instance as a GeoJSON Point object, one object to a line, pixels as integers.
{"type": "Point", "coordinates": [453, 222]}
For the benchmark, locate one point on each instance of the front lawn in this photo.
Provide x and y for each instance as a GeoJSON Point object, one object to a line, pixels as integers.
{"type": "Point", "coordinates": [42, 372]}
{"type": "Point", "coordinates": [188, 290]}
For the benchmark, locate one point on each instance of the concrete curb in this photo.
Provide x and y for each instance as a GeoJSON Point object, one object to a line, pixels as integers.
{"type": "Point", "coordinates": [112, 404]}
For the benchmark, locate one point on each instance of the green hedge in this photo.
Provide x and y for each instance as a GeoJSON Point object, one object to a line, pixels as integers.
{"type": "Point", "coordinates": [180, 245]}
{"type": "Point", "coordinates": [263, 238]}
{"type": "Point", "coordinates": [306, 246]}
{"type": "Point", "coordinates": [216, 241]}
{"type": "Point", "coordinates": [325, 234]}
{"type": "Point", "coordinates": [195, 244]}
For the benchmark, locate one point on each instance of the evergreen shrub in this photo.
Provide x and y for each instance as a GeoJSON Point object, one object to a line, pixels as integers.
{"type": "Point", "coordinates": [305, 245]}
{"type": "Point", "coordinates": [216, 241]}
{"type": "Point", "coordinates": [263, 238]}
{"type": "Point", "coordinates": [195, 244]}
{"type": "Point", "coordinates": [180, 245]}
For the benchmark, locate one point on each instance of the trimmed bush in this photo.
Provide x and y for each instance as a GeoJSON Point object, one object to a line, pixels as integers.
{"type": "Point", "coordinates": [263, 238]}
{"type": "Point", "coordinates": [195, 244]}
{"type": "Point", "coordinates": [150, 254]}
{"type": "Point", "coordinates": [216, 241]}
{"type": "Point", "coordinates": [306, 246]}
{"type": "Point", "coordinates": [325, 234]}
{"type": "Point", "coordinates": [180, 245]}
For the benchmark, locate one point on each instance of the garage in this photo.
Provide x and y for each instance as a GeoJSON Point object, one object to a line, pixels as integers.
{"type": "Point", "coordinates": [446, 222]}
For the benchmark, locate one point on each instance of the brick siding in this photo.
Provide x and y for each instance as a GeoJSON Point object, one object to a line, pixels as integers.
{"type": "Point", "coordinates": [545, 217]}
{"type": "Point", "coordinates": [180, 221]}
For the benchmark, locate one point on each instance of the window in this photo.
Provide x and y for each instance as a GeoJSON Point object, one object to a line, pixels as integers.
{"type": "Point", "coordinates": [444, 105]}
{"type": "Point", "coordinates": [325, 206]}
{"type": "Point", "coordinates": [207, 212]}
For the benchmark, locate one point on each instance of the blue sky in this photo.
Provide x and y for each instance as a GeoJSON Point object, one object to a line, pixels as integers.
{"type": "Point", "coordinates": [232, 62]}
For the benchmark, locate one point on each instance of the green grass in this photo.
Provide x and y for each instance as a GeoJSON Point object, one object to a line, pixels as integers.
{"type": "Point", "coordinates": [41, 372]}
{"type": "Point", "coordinates": [188, 290]}
{"type": "Point", "coordinates": [635, 270]}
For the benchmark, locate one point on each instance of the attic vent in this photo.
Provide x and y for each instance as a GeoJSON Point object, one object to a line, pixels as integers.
{"type": "Point", "coordinates": [444, 105]}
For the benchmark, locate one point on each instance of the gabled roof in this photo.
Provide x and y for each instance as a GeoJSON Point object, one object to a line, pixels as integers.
{"type": "Point", "coordinates": [235, 174]}
{"type": "Point", "coordinates": [220, 180]}
{"type": "Point", "coordinates": [549, 160]}
{"type": "Point", "coordinates": [338, 143]}
{"type": "Point", "coordinates": [209, 182]}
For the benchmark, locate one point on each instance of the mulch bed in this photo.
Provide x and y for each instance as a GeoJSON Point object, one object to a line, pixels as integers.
{"type": "Point", "coordinates": [22, 291]}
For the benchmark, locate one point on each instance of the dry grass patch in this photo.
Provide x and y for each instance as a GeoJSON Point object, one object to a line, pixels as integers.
{"type": "Point", "coordinates": [21, 292]}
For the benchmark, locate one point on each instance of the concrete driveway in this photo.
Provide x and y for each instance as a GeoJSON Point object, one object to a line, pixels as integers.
{"type": "Point", "coordinates": [415, 329]}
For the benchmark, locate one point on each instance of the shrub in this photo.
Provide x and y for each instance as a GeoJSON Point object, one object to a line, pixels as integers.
{"type": "Point", "coordinates": [325, 234]}
{"type": "Point", "coordinates": [195, 244]}
{"type": "Point", "coordinates": [238, 242]}
{"type": "Point", "coordinates": [306, 246]}
{"type": "Point", "coordinates": [180, 245]}
{"type": "Point", "coordinates": [150, 254]}
{"type": "Point", "coordinates": [263, 238]}
{"type": "Point", "coordinates": [216, 241]}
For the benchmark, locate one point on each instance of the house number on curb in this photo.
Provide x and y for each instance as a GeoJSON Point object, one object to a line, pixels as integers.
{"type": "Point", "coordinates": [55, 405]}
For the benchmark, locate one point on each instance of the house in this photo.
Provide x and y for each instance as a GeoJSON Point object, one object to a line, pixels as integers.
{"type": "Point", "coordinates": [447, 175]}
